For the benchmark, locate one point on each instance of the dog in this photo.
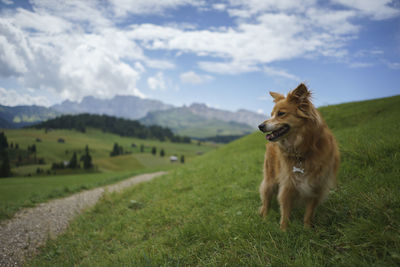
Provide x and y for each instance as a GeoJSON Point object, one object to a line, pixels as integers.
{"type": "Point", "coordinates": [302, 157]}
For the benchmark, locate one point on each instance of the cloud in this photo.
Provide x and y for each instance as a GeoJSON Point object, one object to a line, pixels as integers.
{"type": "Point", "coordinates": [280, 73]}
{"type": "Point", "coordinates": [193, 78]}
{"type": "Point", "coordinates": [393, 65]}
{"type": "Point", "coordinates": [66, 58]}
{"type": "Point", "coordinates": [273, 37]}
{"type": "Point", "coordinates": [78, 48]}
{"type": "Point", "coordinates": [7, 2]}
{"type": "Point", "coordinates": [14, 98]}
{"type": "Point", "coordinates": [377, 9]}
{"type": "Point", "coordinates": [141, 7]}
{"type": "Point", "coordinates": [219, 6]}
{"type": "Point", "coordinates": [360, 65]}
{"type": "Point", "coordinates": [15, 50]}
{"type": "Point", "coordinates": [157, 82]}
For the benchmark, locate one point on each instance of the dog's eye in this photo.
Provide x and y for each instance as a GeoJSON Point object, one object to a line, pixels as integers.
{"type": "Point", "coordinates": [280, 113]}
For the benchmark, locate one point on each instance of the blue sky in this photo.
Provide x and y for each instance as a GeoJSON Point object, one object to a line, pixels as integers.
{"type": "Point", "coordinates": [227, 54]}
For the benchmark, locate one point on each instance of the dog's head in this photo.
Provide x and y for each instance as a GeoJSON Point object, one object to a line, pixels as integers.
{"type": "Point", "coordinates": [290, 114]}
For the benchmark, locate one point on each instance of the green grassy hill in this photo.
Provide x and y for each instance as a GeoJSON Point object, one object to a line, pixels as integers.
{"type": "Point", "coordinates": [205, 213]}
{"type": "Point", "coordinates": [20, 116]}
{"type": "Point", "coordinates": [22, 191]}
{"type": "Point", "coordinates": [100, 145]}
{"type": "Point", "coordinates": [183, 122]}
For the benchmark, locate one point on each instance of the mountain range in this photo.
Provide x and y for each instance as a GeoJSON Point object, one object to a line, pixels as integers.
{"type": "Point", "coordinates": [128, 107]}
{"type": "Point", "coordinates": [196, 120]}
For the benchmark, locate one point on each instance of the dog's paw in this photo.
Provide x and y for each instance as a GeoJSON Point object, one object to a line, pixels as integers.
{"type": "Point", "coordinates": [262, 211]}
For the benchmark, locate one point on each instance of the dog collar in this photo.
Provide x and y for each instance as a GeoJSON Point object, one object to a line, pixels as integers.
{"type": "Point", "coordinates": [298, 170]}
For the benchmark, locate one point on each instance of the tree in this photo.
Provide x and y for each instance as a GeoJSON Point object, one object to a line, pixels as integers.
{"type": "Point", "coordinates": [32, 149]}
{"type": "Point", "coordinates": [3, 141]}
{"type": "Point", "coordinates": [73, 163]}
{"type": "Point", "coordinates": [182, 159]}
{"type": "Point", "coordinates": [5, 168]}
{"type": "Point", "coordinates": [87, 159]}
{"type": "Point", "coordinates": [162, 153]}
{"type": "Point", "coordinates": [117, 150]}
{"type": "Point", "coordinates": [142, 148]}
{"type": "Point", "coordinates": [153, 150]}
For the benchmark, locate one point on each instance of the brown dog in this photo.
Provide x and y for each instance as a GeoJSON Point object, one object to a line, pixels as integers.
{"type": "Point", "coordinates": [301, 158]}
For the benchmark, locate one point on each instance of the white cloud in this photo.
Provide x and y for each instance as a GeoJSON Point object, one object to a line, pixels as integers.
{"type": "Point", "coordinates": [360, 65]}
{"type": "Point", "coordinates": [393, 65]}
{"type": "Point", "coordinates": [15, 51]}
{"type": "Point", "coordinates": [219, 7]}
{"type": "Point", "coordinates": [141, 7]}
{"type": "Point", "coordinates": [14, 98]}
{"type": "Point", "coordinates": [77, 48]}
{"type": "Point", "coordinates": [159, 64]}
{"type": "Point", "coordinates": [250, 8]}
{"type": "Point", "coordinates": [273, 37]}
{"type": "Point", "coordinates": [280, 73]}
{"type": "Point", "coordinates": [157, 82]}
{"type": "Point", "coordinates": [7, 2]}
{"type": "Point", "coordinates": [193, 78]}
{"type": "Point", "coordinates": [377, 9]}
{"type": "Point", "coordinates": [66, 59]}
{"type": "Point", "coordinates": [42, 22]}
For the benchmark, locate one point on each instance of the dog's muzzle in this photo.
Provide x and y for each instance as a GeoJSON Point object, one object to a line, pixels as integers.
{"type": "Point", "coordinates": [262, 127]}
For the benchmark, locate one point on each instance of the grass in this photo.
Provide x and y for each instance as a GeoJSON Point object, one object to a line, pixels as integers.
{"type": "Point", "coordinates": [100, 145]}
{"type": "Point", "coordinates": [204, 213]}
{"type": "Point", "coordinates": [21, 191]}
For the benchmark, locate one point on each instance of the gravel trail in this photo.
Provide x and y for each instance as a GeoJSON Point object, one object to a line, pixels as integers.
{"type": "Point", "coordinates": [30, 228]}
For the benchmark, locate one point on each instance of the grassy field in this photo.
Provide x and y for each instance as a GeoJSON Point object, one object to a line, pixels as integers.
{"type": "Point", "coordinates": [100, 145]}
{"type": "Point", "coordinates": [21, 191]}
{"type": "Point", "coordinates": [205, 213]}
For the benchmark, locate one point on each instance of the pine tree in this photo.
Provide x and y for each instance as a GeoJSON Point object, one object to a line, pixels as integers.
{"type": "Point", "coordinates": [73, 163]}
{"type": "Point", "coordinates": [87, 159]}
{"type": "Point", "coordinates": [5, 168]}
{"type": "Point", "coordinates": [3, 141]}
{"type": "Point", "coordinates": [182, 159]}
{"type": "Point", "coordinates": [162, 153]}
{"type": "Point", "coordinates": [154, 150]}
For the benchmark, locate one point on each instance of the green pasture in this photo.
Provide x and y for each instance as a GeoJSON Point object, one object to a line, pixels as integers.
{"type": "Point", "coordinates": [205, 212]}
{"type": "Point", "coordinates": [100, 145]}
{"type": "Point", "coordinates": [22, 191]}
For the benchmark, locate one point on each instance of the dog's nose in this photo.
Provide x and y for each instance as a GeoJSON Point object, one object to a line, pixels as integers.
{"type": "Point", "coordinates": [262, 127]}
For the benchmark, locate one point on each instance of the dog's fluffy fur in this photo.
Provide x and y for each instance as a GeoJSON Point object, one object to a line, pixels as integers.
{"type": "Point", "coordinates": [302, 157]}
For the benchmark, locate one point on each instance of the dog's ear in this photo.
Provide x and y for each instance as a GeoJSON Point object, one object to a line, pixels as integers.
{"type": "Point", "coordinates": [300, 94]}
{"type": "Point", "coordinates": [276, 96]}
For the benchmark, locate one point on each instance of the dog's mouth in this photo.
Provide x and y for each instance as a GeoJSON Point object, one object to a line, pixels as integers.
{"type": "Point", "coordinates": [276, 134]}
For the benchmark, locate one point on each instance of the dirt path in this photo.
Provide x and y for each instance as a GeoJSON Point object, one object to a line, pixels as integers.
{"type": "Point", "coordinates": [30, 228]}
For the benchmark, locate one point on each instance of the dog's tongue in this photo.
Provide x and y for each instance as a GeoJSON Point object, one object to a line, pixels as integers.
{"type": "Point", "coordinates": [269, 136]}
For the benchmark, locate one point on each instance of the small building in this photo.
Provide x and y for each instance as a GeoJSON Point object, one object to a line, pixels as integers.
{"type": "Point", "coordinates": [173, 159]}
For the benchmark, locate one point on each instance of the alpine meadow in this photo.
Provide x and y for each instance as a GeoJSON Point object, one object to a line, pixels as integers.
{"type": "Point", "coordinates": [204, 213]}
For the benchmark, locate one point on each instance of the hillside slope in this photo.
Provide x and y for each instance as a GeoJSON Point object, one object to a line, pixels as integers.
{"type": "Point", "coordinates": [205, 213]}
{"type": "Point", "coordinates": [20, 116]}
{"type": "Point", "coordinates": [123, 106]}
{"type": "Point", "coordinates": [183, 121]}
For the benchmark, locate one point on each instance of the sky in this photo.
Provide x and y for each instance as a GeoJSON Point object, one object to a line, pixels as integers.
{"type": "Point", "coordinates": [227, 54]}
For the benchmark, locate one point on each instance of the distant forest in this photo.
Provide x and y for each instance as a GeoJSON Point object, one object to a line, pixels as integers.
{"type": "Point", "coordinates": [122, 127]}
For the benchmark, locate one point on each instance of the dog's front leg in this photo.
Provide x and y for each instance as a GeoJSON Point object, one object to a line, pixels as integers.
{"type": "Point", "coordinates": [266, 192]}
{"type": "Point", "coordinates": [286, 197]}
{"type": "Point", "coordinates": [311, 205]}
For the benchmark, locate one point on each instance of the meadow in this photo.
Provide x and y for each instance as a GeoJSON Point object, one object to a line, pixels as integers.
{"type": "Point", "coordinates": [26, 188]}
{"type": "Point", "coordinates": [205, 212]}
